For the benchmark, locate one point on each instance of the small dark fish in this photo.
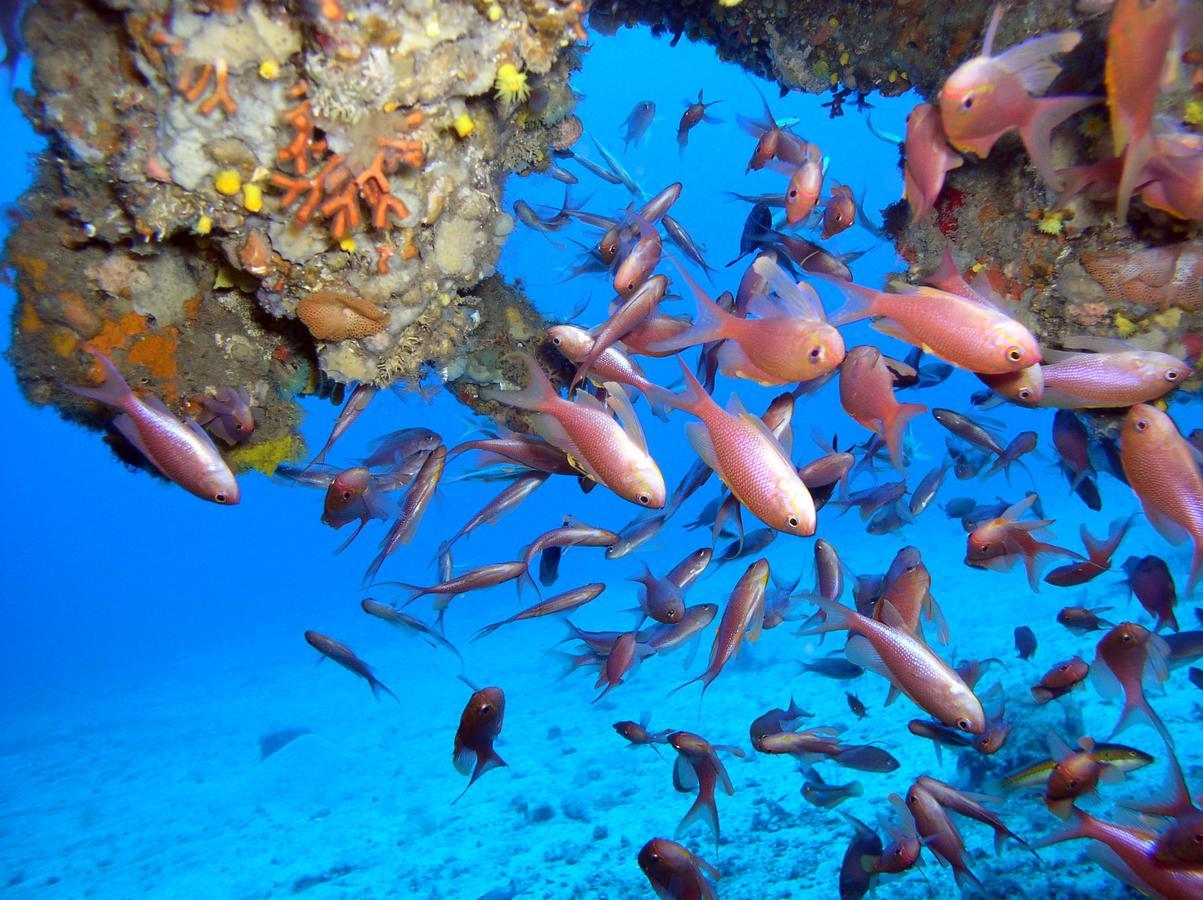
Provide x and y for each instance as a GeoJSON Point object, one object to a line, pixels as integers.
{"type": "Point", "coordinates": [969, 430]}
{"type": "Point", "coordinates": [927, 488]}
{"type": "Point", "coordinates": [1023, 444]}
{"type": "Point", "coordinates": [855, 880]}
{"type": "Point", "coordinates": [1196, 677]}
{"type": "Point", "coordinates": [959, 507]}
{"type": "Point", "coordinates": [1025, 642]}
{"type": "Point", "coordinates": [638, 122]}
{"type": "Point", "coordinates": [395, 447]}
{"type": "Point", "coordinates": [1099, 553]}
{"type": "Point", "coordinates": [1083, 621]}
{"type": "Point", "coordinates": [752, 543]}
{"type": "Point", "coordinates": [549, 565]}
{"type": "Point", "coordinates": [227, 415]}
{"type": "Point", "coordinates": [637, 734]}
{"type": "Point", "coordinates": [1185, 647]}
{"type": "Point", "coordinates": [834, 667]}
{"type": "Point", "coordinates": [409, 624]}
{"type": "Point", "coordinates": [345, 657]}
{"type": "Point", "coordinates": [776, 721]}
{"type": "Point", "coordinates": [1149, 579]}
{"type": "Point", "coordinates": [479, 725]}
{"type": "Point", "coordinates": [565, 602]}
{"type": "Point", "coordinates": [635, 534]}
{"type": "Point", "coordinates": [940, 735]}
{"type": "Point", "coordinates": [1072, 443]}
{"type": "Point", "coordinates": [966, 463]}
{"type": "Point", "coordinates": [355, 405]}
{"type": "Point", "coordinates": [688, 570]}
{"type": "Point", "coordinates": [858, 708]}
{"type": "Point", "coordinates": [663, 638]}
{"type": "Point", "coordinates": [829, 796]}
{"type": "Point", "coordinates": [758, 224]}
{"type": "Point", "coordinates": [695, 112]}
{"type": "Point", "coordinates": [866, 758]}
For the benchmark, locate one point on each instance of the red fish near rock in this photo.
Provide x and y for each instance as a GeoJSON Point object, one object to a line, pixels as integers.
{"type": "Point", "coordinates": [990, 95]}
{"type": "Point", "coordinates": [180, 449]}
{"type": "Point", "coordinates": [840, 211]}
{"type": "Point", "coordinates": [928, 160]}
{"type": "Point", "coordinates": [695, 112]}
{"type": "Point", "coordinates": [479, 725]}
{"type": "Point", "coordinates": [1000, 543]}
{"type": "Point", "coordinates": [675, 873]}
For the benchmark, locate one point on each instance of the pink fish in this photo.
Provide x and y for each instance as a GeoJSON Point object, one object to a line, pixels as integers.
{"type": "Point", "coordinates": [352, 496]}
{"type": "Point", "coordinates": [748, 459]}
{"type": "Point", "coordinates": [675, 873]}
{"type": "Point", "coordinates": [1126, 655]}
{"type": "Point", "coordinates": [1001, 542]}
{"type": "Point", "coordinates": [698, 768]}
{"type": "Point", "coordinates": [928, 160]}
{"type": "Point", "coordinates": [989, 96]}
{"type": "Point", "coordinates": [180, 449]}
{"type": "Point", "coordinates": [805, 186]}
{"type": "Point", "coordinates": [1139, 39]}
{"type": "Point", "coordinates": [695, 112]}
{"type": "Point", "coordinates": [867, 395]}
{"type": "Point", "coordinates": [888, 648]}
{"type": "Point", "coordinates": [1115, 375]}
{"type": "Point", "coordinates": [790, 341]}
{"type": "Point", "coordinates": [625, 654]}
{"type": "Point", "coordinates": [743, 614]}
{"type": "Point", "coordinates": [228, 415]}
{"type": "Point", "coordinates": [612, 364]}
{"type": "Point", "coordinates": [1161, 469]}
{"type": "Point", "coordinates": [1099, 552]}
{"type": "Point", "coordinates": [587, 432]}
{"type": "Point", "coordinates": [352, 409]}
{"type": "Point", "coordinates": [972, 334]}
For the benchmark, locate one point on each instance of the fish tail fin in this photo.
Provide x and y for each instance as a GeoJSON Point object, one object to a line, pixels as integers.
{"type": "Point", "coordinates": [533, 397]}
{"type": "Point", "coordinates": [377, 686]}
{"type": "Point", "coordinates": [1138, 711]}
{"type": "Point", "coordinates": [967, 881]}
{"type": "Point", "coordinates": [489, 629]}
{"type": "Point", "coordinates": [838, 617]}
{"type": "Point", "coordinates": [1196, 567]}
{"type": "Point", "coordinates": [692, 400]}
{"type": "Point", "coordinates": [893, 427]}
{"type": "Point", "coordinates": [1048, 113]}
{"type": "Point", "coordinates": [113, 390]}
{"type": "Point", "coordinates": [858, 300]}
{"type": "Point", "coordinates": [706, 677]}
{"type": "Point", "coordinates": [709, 324]}
{"type": "Point", "coordinates": [1034, 561]}
{"type": "Point", "coordinates": [1139, 150]}
{"type": "Point", "coordinates": [1041, 695]}
{"type": "Point", "coordinates": [1080, 828]}
{"type": "Point", "coordinates": [705, 810]}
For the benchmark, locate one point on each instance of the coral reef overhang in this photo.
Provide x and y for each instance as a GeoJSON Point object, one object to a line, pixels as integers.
{"type": "Point", "coordinates": [282, 196]}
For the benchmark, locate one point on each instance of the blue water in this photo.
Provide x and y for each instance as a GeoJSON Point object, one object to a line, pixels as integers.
{"type": "Point", "coordinates": [150, 639]}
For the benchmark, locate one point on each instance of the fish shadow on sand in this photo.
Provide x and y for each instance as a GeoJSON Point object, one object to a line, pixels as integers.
{"type": "Point", "coordinates": [275, 741]}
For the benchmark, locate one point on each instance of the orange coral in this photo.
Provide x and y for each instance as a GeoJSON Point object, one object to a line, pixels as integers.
{"type": "Point", "coordinates": [156, 354]}
{"type": "Point", "coordinates": [337, 190]}
{"type": "Point", "coordinates": [335, 316]}
{"type": "Point", "coordinates": [193, 84]}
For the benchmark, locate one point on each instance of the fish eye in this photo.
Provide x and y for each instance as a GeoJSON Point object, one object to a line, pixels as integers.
{"type": "Point", "coordinates": [645, 499]}
{"type": "Point", "coordinates": [1014, 354]}
{"type": "Point", "coordinates": [1142, 425]}
{"type": "Point", "coordinates": [793, 522]}
{"type": "Point", "coordinates": [1025, 394]}
{"type": "Point", "coordinates": [792, 194]}
{"type": "Point", "coordinates": [347, 495]}
{"type": "Point", "coordinates": [1073, 782]}
{"type": "Point", "coordinates": [1171, 375]}
{"type": "Point", "coordinates": [486, 708]}
{"type": "Point", "coordinates": [963, 724]}
{"type": "Point", "coordinates": [556, 340]}
{"type": "Point", "coordinates": [219, 497]}
{"type": "Point", "coordinates": [816, 353]}
{"type": "Point", "coordinates": [967, 103]}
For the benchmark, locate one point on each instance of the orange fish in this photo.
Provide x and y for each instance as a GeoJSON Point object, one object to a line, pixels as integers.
{"type": "Point", "coordinates": [1125, 655]}
{"type": "Point", "coordinates": [1061, 679]}
{"type": "Point", "coordinates": [928, 160]}
{"type": "Point", "coordinates": [1001, 542]}
{"type": "Point", "coordinates": [805, 185]}
{"type": "Point", "coordinates": [1160, 467]}
{"type": "Point", "coordinates": [698, 768]}
{"type": "Point", "coordinates": [840, 211]}
{"type": "Point", "coordinates": [744, 611]}
{"type": "Point", "coordinates": [990, 95]}
{"type": "Point", "coordinates": [1077, 772]}
{"type": "Point", "coordinates": [1139, 40]}
{"type": "Point", "coordinates": [479, 725]}
{"type": "Point", "coordinates": [867, 395]}
{"type": "Point", "coordinates": [674, 872]}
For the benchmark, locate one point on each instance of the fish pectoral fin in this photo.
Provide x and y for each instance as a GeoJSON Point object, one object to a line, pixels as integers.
{"type": "Point", "coordinates": [464, 758]}
{"type": "Point", "coordinates": [128, 430]}
{"type": "Point", "coordinates": [620, 403]}
{"type": "Point", "coordinates": [1166, 527]}
{"type": "Point", "coordinates": [860, 652]}
{"type": "Point", "coordinates": [699, 438]}
{"type": "Point", "coordinates": [1108, 859]}
{"type": "Point", "coordinates": [685, 779]}
{"type": "Point", "coordinates": [896, 330]}
{"type": "Point", "coordinates": [1030, 60]}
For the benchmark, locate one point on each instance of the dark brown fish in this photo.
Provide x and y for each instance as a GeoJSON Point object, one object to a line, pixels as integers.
{"type": "Point", "coordinates": [1083, 621]}
{"type": "Point", "coordinates": [565, 602]}
{"type": "Point", "coordinates": [345, 657]}
{"type": "Point", "coordinates": [413, 508]}
{"type": "Point", "coordinates": [698, 768]}
{"type": "Point", "coordinates": [472, 580]}
{"type": "Point", "coordinates": [866, 758]}
{"type": "Point", "coordinates": [625, 655]}
{"type": "Point", "coordinates": [855, 880]}
{"type": "Point", "coordinates": [409, 624]}
{"type": "Point", "coordinates": [695, 112]}
{"type": "Point", "coordinates": [688, 570]}
{"type": "Point", "coordinates": [479, 725]}
{"type": "Point", "coordinates": [663, 638]}
{"type": "Point", "coordinates": [970, 805]}
{"type": "Point", "coordinates": [1025, 642]}
{"type": "Point", "coordinates": [1150, 580]}
{"type": "Point", "coordinates": [744, 613]}
{"type": "Point", "coordinates": [854, 703]}
{"type": "Point", "coordinates": [829, 796]}
{"type": "Point", "coordinates": [1185, 647]}
{"type": "Point", "coordinates": [1098, 553]}
{"type": "Point", "coordinates": [777, 721]}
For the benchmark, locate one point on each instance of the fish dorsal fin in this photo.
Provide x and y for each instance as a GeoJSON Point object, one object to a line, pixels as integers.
{"type": "Point", "coordinates": [1050, 355]}
{"type": "Point", "coordinates": [797, 299]}
{"type": "Point", "coordinates": [1058, 749]}
{"type": "Point", "coordinates": [1096, 343]}
{"type": "Point", "coordinates": [1015, 510]}
{"type": "Point", "coordinates": [992, 30]}
{"type": "Point", "coordinates": [200, 432]}
{"type": "Point", "coordinates": [621, 405]}
{"type": "Point", "coordinates": [947, 276]}
{"type": "Point", "coordinates": [1030, 60]}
